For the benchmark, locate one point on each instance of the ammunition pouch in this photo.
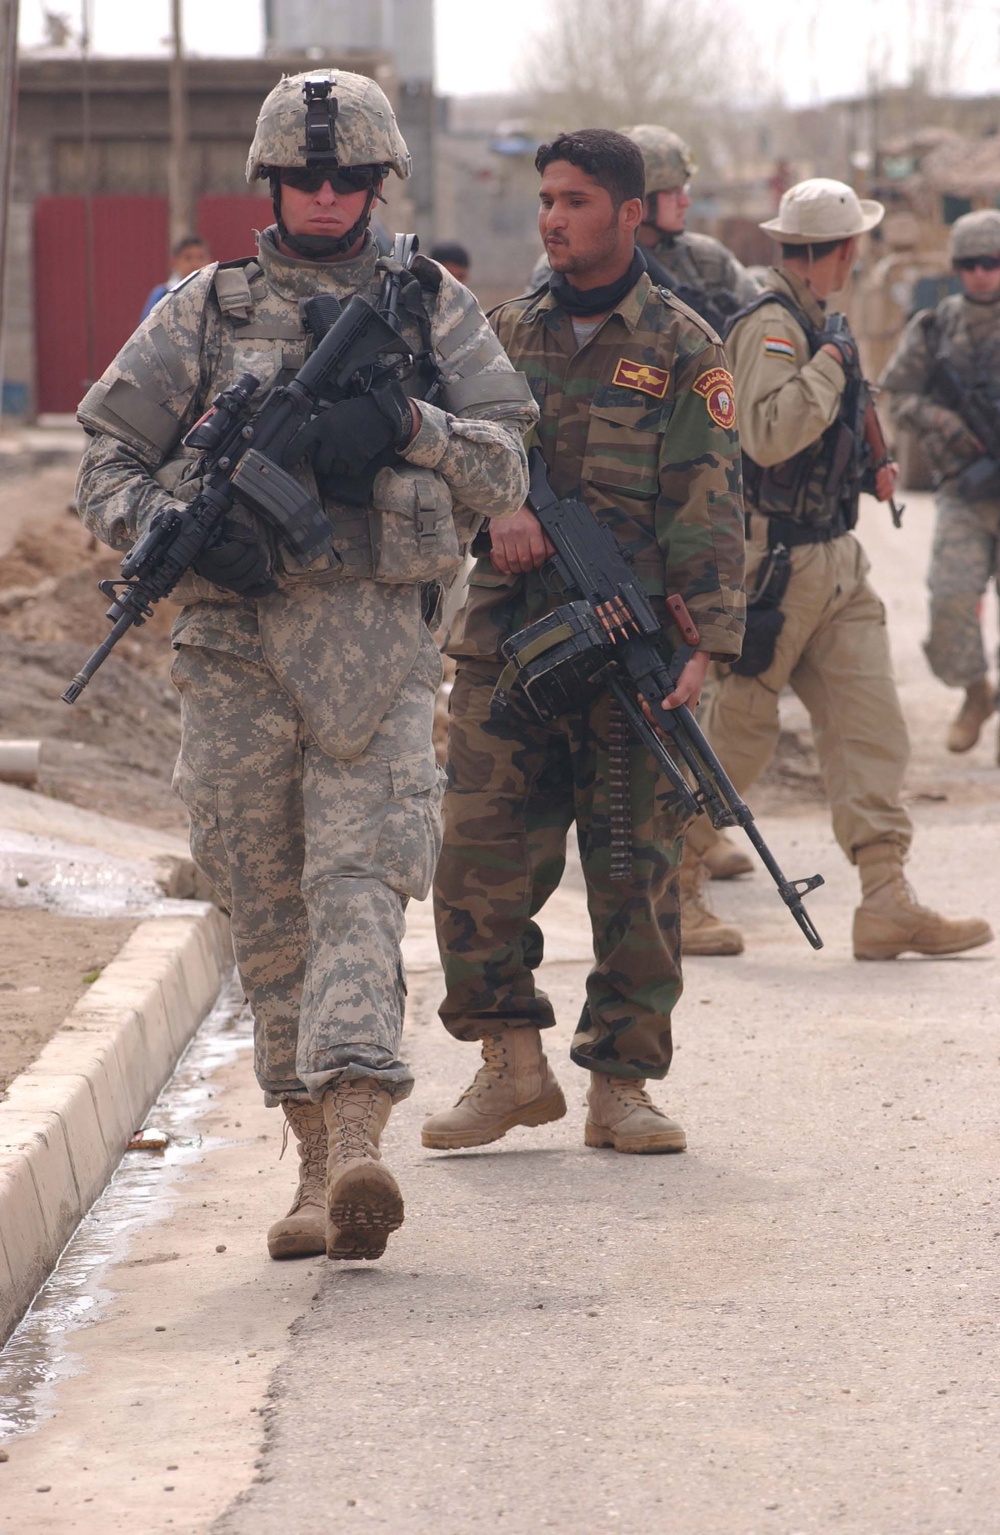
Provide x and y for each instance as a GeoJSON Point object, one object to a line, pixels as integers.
{"type": "Point", "coordinates": [765, 619]}
{"type": "Point", "coordinates": [414, 538]}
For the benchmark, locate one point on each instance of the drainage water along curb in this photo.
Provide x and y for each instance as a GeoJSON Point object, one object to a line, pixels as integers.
{"type": "Point", "coordinates": [66, 1121]}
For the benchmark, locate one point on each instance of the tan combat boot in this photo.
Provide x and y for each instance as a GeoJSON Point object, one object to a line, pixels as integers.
{"type": "Point", "coordinates": [977, 706]}
{"type": "Point", "coordinates": [890, 921]}
{"type": "Point", "coordinates": [363, 1202]}
{"type": "Point", "coordinates": [701, 930]}
{"type": "Point", "coordinates": [620, 1114]}
{"type": "Point", "coordinates": [722, 858]}
{"type": "Point", "coordinates": [302, 1232]}
{"type": "Point", "coordinates": [513, 1086]}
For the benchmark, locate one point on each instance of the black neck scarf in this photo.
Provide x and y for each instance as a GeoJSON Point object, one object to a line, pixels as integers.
{"type": "Point", "coordinates": [596, 300]}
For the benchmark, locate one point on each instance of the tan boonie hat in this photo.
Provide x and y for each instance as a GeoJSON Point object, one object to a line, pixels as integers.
{"type": "Point", "coordinates": [365, 128]}
{"type": "Point", "coordinates": [976, 234]}
{"type": "Point", "coordinates": [665, 156]}
{"type": "Point", "coordinates": [814, 211]}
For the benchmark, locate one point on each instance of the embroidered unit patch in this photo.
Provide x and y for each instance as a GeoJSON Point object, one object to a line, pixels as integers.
{"type": "Point", "coordinates": [716, 389]}
{"type": "Point", "coordinates": [638, 375]}
{"type": "Point", "coordinates": [777, 346]}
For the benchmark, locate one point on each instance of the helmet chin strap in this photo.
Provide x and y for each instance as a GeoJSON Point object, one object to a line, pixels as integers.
{"type": "Point", "coordinates": [320, 247]}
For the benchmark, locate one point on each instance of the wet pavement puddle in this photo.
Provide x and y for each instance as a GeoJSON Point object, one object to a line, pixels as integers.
{"type": "Point", "coordinates": [39, 1352]}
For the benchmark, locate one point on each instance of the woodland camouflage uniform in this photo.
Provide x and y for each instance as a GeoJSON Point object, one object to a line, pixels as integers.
{"type": "Point", "coordinates": [640, 421]}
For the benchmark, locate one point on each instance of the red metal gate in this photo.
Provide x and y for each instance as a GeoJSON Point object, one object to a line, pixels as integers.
{"type": "Point", "coordinates": [75, 342]}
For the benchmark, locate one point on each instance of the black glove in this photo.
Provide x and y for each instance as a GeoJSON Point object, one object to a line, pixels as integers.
{"type": "Point", "coordinates": [845, 344]}
{"type": "Point", "coordinates": [236, 561]}
{"type": "Point", "coordinates": [345, 437]}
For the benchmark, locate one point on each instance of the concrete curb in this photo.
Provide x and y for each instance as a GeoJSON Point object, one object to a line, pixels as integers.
{"type": "Point", "coordinates": [66, 1121]}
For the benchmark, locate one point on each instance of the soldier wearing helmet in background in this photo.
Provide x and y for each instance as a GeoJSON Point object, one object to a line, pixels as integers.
{"type": "Point", "coordinates": [947, 360]}
{"type": "Point", "coordinates": [815, 624]}
{"type": "Point", "coordinates": [307, 690]}
{"type": "Point", "coordinates": [699, 269]}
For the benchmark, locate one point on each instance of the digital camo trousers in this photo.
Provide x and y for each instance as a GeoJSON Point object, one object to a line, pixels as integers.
{"type": "Point", "coordinates": [515, 786]}
{"type": "Point", "coordinates": [964, 560]}
{"type": "Point", "coordinates": [315, 859]}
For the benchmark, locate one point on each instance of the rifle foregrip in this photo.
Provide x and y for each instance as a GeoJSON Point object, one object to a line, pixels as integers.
{"type": "Point", "coordinates": [677, 609]}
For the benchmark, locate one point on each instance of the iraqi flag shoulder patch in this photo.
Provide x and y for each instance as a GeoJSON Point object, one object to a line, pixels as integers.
{"type": "Point", "coordinates": [716, 389]}
{"type": "Point", "coordinates": [778, 346]}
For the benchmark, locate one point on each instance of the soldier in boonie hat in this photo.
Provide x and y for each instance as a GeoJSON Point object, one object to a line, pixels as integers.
{"type": "Point", "coordinates": [816, 624]}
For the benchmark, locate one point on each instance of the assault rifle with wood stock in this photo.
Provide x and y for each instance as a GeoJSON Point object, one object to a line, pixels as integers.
{"type": "Point", "coordinates": [357, 350]}
{"type": "Point", "coordinates": [609, 639]}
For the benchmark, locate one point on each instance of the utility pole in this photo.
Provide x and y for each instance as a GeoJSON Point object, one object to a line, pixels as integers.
{"type": "Point", "coordinates": [178, 165]}
{"type": "Point", "coordinates": [8, 100]}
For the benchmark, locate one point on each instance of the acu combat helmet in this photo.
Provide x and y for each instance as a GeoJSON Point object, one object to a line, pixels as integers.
{"type": "Point", "coordinates": [667, 159]}
{"type": "Point", "coordinates": [976, 234]}
{"type": "Point", "coordinates": [326, 120]}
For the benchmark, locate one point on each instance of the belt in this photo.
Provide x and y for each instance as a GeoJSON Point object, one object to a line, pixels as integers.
{"type": "Point", "coordinates": [784, 530]}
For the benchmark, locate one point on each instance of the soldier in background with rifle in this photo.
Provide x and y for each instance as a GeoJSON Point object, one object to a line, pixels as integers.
{"type": "Point", "coordinates": [306, 669]}
{"type": "Point", "coordinates": [637, 417]}
{"type": "Point", "coordinates": [814, 622]}
{"type": "Point", "coordinates": [945, 381]}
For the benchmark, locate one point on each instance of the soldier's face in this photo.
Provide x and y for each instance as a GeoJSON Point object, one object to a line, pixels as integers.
{"type": "Point", "coordinates": [670, 209]}
{"type": "Point", "coordinates": [581, 230]}
{"type": "Point", "coordinates": [980, 282]}
{"type": "Point", "coordinates": [326, 213]}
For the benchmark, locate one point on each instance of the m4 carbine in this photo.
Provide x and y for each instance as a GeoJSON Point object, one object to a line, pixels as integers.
{"type": "Point", "coordinates": [981, 416]}
{"type": "Point", "coordinates": [242, 462]}
{"type": "Point", "coordinates": [870, 447]}
{"type": "Point", "coordinates": [610, 639]}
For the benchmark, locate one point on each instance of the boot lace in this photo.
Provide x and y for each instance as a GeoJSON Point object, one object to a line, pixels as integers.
{"type": "Point", "coordinates": [354, 1115]}
{"type": "Point", "coordinates": [632, 1093]}
{"type": "Point", "coordinates": [494, 1065]}
{"type": "Point", "coordinates": [306, 1120]}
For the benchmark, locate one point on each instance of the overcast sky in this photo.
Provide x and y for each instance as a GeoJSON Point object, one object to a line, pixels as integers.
{"type": "Point", "coordinates": [812, 49]}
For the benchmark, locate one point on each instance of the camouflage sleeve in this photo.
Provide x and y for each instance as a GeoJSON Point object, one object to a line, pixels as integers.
{"type": "Point", "coordinates": [699, 510]}
{"type": "Point", "coordinates": [136, 414]}
{"type": "Point", "coordinates": [906, 376]}
{"type": "Point", "coordinates": [474, 439]}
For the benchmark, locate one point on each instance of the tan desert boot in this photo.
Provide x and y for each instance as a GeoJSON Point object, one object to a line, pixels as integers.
{"type": "Point", "coordinates": [701, 930]}
{"type": "Point", "coordinates": [890, 921]}
{"type": "Point", "coordinates": [513, 1086]}
{"type": "Point", "coordinates": [363, 1202]}
{"type": "Point", "coordinates": [302, 1232]}
{"type": "Point", "coordinates": [621, 1114]}
{"type": "Point", "coordinates": [977, 706]}
{"type": "Point", "coordinates": [724, 860]}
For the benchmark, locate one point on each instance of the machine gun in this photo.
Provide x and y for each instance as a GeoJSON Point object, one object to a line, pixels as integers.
{"type": "Point", "coordinates": [981, 415]}
{"type": "Point", "coordinates": [869, 448]}
{"type": "Point", "coordinates": [357, 350]}
{"type": "Point", "coordinates": [609, 639]}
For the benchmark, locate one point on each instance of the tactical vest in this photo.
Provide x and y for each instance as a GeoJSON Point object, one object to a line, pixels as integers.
{"type": "Point", "coordinates": [811, 497]}
{"type": "Point", "coordinates": [394, 522]}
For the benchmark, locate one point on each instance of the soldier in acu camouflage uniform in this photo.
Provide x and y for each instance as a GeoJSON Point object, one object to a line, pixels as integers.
{"type": "Point", "coordinates": [831, 646]}
{"type": "Point", "coordinates": [307, 693]}
{"type": "Point", "coordinates": [637, 416]}
{"type": "Point", "coordinates": [963, 332]}
{"type": "Point", "coordinates": [699, 268]}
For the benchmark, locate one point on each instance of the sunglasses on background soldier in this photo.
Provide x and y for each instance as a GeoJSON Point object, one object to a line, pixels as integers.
{"type": "Point", "coordinates": [969, 263]}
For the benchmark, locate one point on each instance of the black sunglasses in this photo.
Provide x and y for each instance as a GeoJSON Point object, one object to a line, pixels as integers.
{"type": "Point", "coordinates": [343, 178]}
{"type": "Point", "coordinates": [969, 263]}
